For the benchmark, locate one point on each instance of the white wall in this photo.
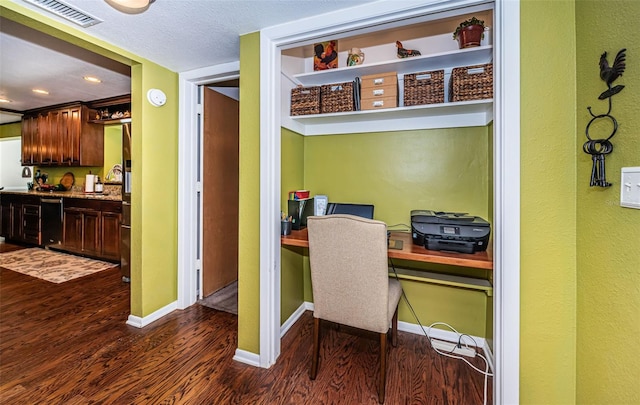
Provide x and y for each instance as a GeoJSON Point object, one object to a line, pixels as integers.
{"type": "Point", "coordinates": [10, 167]}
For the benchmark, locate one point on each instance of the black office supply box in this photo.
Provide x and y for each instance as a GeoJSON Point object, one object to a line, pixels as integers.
{"type": "Point", "coordinates": [449, 231]}
{"type": "Point", "coordinates": [299, 210]}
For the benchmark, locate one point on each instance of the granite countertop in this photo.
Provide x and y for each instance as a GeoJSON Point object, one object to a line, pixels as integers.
{"type": "Point", "coordinates": [68, 194]}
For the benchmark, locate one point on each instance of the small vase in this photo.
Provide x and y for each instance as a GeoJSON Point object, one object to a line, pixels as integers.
{"type": "Point", "coordinates": [470, 36]}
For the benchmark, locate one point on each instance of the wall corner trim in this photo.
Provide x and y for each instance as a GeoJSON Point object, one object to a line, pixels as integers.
{"type": "Point", "coordinates": [139, 322]}
{"type": "Point", "coordinates": [246, 357]}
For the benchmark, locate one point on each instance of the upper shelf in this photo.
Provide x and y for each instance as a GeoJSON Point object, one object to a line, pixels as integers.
{"type": "Point", "coordinates": [428, 116]}
{"type": "Point", "coordinates": [443, 60]}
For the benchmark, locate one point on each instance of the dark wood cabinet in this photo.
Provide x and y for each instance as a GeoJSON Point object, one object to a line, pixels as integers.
{"type": "Point", "coordinates": [21, 218]}
{"type": "Point", "coordinates": [110, 237]}
{"type": "Point", "coordinates": [5, 219]}
{"type": "Point", "coordinates": [92, 227]}
{"type": "Point", "coordinates": [29, 139]}
{"type": "Point", "coordinates": [62, 136]}
{"type": "Point", "coordinates": [72, 229]}
{"type": "Point", "coordinates": [31, 222]}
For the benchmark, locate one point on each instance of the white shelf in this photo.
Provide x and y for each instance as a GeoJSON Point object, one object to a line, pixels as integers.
{"type": "Point", "coordinates": [445, 115]}
{"type": "Point", "coordinates": [443, 60]}
{"type": "Point", "coordinates": [449, 280]}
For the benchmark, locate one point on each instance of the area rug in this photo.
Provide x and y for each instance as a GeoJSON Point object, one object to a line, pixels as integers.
{"type": "Point", "coordinates": [51, 266]}
{"type": "Point", "coordinates": [225, 299]}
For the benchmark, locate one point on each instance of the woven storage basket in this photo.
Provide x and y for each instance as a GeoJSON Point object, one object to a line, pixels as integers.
{"type": "Point", "coordinates": [471, 83]}
{"type": "Point", "coordinates": [336, 97]}
{"type": "Point", "coordinates": [424, 88]}
{"type": "Point", "coordinates": [305, 100]}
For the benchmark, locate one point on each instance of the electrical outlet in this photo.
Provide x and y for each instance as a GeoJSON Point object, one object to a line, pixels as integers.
{"type": "Point", "coordinates": [630, 187]}
{"type": "Point", "coordinates": [447, 347]}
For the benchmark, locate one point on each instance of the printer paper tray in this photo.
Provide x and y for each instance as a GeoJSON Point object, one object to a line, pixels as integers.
{"type": "Point", "coordinates": [451, 245]}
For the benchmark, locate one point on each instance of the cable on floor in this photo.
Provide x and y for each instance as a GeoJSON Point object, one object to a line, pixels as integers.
{"type": "Point", "coordinates": [460, 343]}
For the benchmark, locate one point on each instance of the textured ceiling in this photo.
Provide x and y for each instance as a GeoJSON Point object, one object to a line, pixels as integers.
{"type": "Point", "coordinates": [180, 35]}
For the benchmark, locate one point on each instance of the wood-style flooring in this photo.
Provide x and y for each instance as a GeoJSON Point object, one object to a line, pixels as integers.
{"type": "Point", "coordinates": [68, 344]}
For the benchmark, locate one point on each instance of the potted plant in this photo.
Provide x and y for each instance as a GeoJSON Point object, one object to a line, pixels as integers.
{"type": "Point", "coordinates": [469, 33]}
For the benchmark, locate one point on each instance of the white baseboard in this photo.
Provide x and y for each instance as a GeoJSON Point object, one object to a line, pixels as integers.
{"type": "Point", "coordinates": [439, 334]}
{"type": "Point", "coordinates": [142, 322]}
{"type": "Point", "coordinates": [449, 336]}
{"type": "Point", "coordinates": [294, 317]}
{"type": "Point", "coordinates": [246, 357]}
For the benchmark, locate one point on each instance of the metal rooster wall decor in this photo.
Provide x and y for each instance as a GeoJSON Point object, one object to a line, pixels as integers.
{"type": "Point", "coordinates": [598, 148]}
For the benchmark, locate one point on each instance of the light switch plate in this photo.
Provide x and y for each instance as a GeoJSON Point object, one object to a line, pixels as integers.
{"type": "Point", "coordinates": [630, 187]}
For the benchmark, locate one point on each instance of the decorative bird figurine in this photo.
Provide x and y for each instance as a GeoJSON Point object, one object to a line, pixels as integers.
{"type": "Point", "coordinates": [403, 53]}
{"type": "Point", "coordinates": [610, 73]}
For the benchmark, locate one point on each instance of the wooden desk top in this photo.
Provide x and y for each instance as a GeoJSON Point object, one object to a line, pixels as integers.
{"type": "Point", "coordinates": [409, 251]}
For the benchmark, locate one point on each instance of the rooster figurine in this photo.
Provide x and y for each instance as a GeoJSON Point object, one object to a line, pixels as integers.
{"type": "Point", "coordinates": [610, 73]}
{"type": "Point", "coordinates": [404, 53]}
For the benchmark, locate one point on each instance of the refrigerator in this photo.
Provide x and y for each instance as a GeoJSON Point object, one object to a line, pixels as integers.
{"type": "Point", "coordinates": [125, 227]}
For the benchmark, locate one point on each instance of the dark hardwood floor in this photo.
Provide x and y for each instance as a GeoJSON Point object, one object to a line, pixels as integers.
{"type": "Point", "coordinates": [68, 344]}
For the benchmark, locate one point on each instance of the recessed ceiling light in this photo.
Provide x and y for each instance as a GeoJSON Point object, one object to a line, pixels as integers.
{"type": "Point", "coordinates": [40, 91]}
{"type": "Point", "coordinates": [92, 79]}
{"type": "Point", "coordinates": [4, 100]}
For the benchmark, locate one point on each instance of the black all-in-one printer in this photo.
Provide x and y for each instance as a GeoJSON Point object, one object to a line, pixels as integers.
{"type": "Point", "coordinates": [452, 231]}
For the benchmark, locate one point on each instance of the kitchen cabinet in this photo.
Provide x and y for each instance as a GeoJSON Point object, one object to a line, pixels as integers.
{"type": "Point", "coordinates": [92, 228]}
{"type": "Point", "coordinates": [439, 52]}
{"type": "Point", "coordinates": [21, 218]}
{"type": "Point", "coordinates": [62, 136]}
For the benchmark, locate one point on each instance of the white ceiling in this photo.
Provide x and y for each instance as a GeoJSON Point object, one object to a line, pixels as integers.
{"type": "Point", "coordinates": [180, 35]}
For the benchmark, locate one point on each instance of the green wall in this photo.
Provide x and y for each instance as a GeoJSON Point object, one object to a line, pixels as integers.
{"type": "Point", "coordinates": [292, 259]}
{"type": "Point", "coordinates": [548, 200]}
{"type": "Point", "coordinates": [10, 130]}
{"type": "Point", "coordinates": [112, 147]}
{"type": "Point", "coordinates": [608, 236]}
{"type": "Point", "coordinates": [155, 135]}
{"type": "Point", "coordinates": [249, 206]}
{"type": "Point", "coordinates": [154, 194]}
{"type": "Point", "coordinates": [442, 170]}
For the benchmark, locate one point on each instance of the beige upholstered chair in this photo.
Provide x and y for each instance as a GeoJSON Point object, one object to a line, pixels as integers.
{"type": "Point", "coordinates": [350, 281]}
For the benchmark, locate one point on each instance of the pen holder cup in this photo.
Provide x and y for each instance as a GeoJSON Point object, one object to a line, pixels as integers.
{"type": "Point", "coordinates": [285, 228]}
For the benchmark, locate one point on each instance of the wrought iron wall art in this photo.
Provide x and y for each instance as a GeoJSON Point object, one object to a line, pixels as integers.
{"type": "Point", "coordinates": [599, 148]}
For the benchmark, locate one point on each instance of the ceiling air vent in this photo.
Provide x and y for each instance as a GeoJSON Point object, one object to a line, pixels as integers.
{"type": "Point", "coordinates": [66, 11]}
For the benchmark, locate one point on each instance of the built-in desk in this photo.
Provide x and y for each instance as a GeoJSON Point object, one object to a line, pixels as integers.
{"type": "Point", "coordinates": [409, 251]}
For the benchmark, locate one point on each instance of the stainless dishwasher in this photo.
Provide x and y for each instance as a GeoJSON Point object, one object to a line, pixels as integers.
{"type": "Point", "coordinates": [51, 221]}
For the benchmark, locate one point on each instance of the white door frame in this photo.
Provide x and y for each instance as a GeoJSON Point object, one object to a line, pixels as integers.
{"type": "Point", "coordinates": [190, 122]}
{"type": "Point", "coordinates": [506, 167]}
{"type": "Point", "coordinates": [506, 170]}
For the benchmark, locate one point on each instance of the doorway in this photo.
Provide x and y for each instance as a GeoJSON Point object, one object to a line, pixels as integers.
{"type": "Point", "coordinates": [219, 170]}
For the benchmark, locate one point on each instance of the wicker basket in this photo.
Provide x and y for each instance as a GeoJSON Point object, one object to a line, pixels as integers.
{"type": "Point", "coordinates": [305, 100]}
{"type": "Point", "coordinates": [471, 83]}
{"type": "Point", "coordinates": [336, 97]}
{"type": "Point", "coordinates": [424, 88]}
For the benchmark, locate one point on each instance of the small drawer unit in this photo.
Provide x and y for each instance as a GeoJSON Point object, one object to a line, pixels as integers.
{"type": "Point", "coordinates": [379, 91]}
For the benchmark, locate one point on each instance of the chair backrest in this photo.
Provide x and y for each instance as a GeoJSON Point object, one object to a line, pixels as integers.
{"type": "Point", "coordinates": [349, 270]}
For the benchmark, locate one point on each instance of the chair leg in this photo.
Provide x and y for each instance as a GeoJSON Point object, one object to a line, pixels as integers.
{"type": "Point", "coordinates": [383, 367]}
{"type": "Point", "coordinates": [316, 348]}
{"type": "Point", "coordinates": [394, 329]}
